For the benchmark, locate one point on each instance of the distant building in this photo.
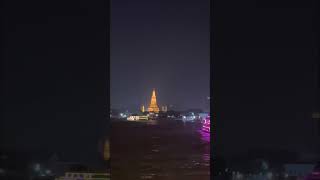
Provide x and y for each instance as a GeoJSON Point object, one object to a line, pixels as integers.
{"type": "Point", "coordinates": [142, 109]}
{"type": "Point", "coordinates": [173, 114]}
{"type": "Point", "coordinates": [164, 108]}
{"type": "Point", "coordinates": [153, 107]}
{"type": "Point", "coordinates": [189, 116]}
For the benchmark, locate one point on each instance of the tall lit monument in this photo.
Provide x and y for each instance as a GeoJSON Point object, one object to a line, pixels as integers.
{"type": "Point", "coordinates": [142, 108]}
{"type": "Point", "coordinates": [153, 104]}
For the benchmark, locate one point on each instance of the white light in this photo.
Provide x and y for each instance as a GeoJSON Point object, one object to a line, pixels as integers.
{"type": "Point", "coordinates": [48, 171]}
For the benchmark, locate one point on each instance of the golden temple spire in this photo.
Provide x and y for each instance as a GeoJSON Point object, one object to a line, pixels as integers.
{"type": "Point", "coordinates": [154, 92]}
{"type": "Point", "coordinates": [153, 104]}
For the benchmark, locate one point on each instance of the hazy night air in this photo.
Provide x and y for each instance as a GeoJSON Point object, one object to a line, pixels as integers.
{"type": "Point", "coordinates": [162, 45]}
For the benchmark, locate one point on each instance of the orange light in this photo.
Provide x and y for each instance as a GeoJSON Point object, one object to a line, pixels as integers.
{"type": "Point", "coordinates": [153, 104]}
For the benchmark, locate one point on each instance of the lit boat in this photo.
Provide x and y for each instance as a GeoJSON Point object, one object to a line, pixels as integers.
{"type": "Point", "coordinates": [206, 124]}
{"type": "Point", "coordinates": [137, 118]}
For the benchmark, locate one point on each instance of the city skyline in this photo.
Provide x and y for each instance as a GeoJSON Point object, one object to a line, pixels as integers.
{"type": "Point", "coordinates": [163, 45]}
{"type": "Point", "coordinates": [137, 106]}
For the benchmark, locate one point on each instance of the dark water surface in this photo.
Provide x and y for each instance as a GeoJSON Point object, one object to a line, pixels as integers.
{"type": "Point", "coordinates": [159, 150]}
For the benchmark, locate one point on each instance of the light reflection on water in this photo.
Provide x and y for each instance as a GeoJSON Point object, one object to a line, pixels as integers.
{"type": "Point", "coordinates": [160, 151]}
{"type": "Point", "coordinates": [205, 138]}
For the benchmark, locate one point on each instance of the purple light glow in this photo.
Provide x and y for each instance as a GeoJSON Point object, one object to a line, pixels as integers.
{"type": "Point", "coordinates": [206, 125]}
{"type": "Point", "coordinates": [205, 130]}
{"type": "Point", "coordinates": [205, 136]}
{"type": "Point", "coordinates": [313, 175]}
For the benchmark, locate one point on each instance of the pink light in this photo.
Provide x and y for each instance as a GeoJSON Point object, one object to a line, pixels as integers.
{"type": "Point", "coordinates": [205, 135]}
{"type": "Point", "coordinates": [206, 124]}
{"type": "Point", "coordinates": [316, 173]}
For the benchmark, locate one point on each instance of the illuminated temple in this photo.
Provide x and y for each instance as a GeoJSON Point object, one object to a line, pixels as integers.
{"type": "Point", "coordinates": [153, 107]}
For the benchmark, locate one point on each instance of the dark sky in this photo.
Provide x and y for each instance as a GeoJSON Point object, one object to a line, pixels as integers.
{"type": "Point", "coordinates": [54, 72]}
{"type": "Point", "coordinates": [162, 44]}
{"type": "Point", "coordinates": [264, 56]}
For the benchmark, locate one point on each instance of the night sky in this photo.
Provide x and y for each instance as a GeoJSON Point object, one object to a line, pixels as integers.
{"type": "Point", "coordinates": [162, 44]}
{"type": "Point", "coordinates": [264, 56]}
{"type": "Point", "coordinates": [54, 72]}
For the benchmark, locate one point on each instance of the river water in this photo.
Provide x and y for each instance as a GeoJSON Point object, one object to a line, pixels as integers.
{"type": "Point", "coordinates": [159, 150]}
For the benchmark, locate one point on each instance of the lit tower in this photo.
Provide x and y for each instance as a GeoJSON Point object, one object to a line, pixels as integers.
{"type": "Point", "coordinates": [142, 108]}
{"type": "Point", "coordinates": [164, 108]}
{"type": "Point", "coordinates": [153, 104]}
